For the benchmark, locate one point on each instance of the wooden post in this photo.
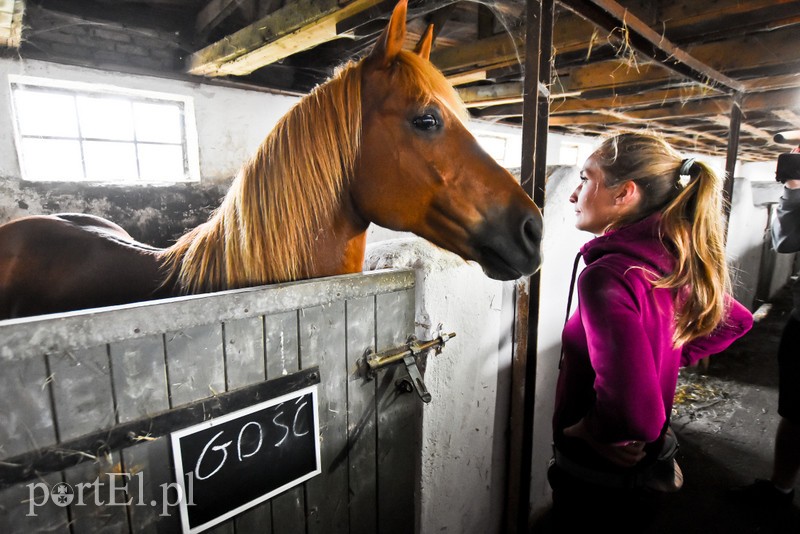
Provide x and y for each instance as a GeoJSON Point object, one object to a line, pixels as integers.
{"type": "Point", "coordinates": [538, 51]}
{"type": "Point", "coordinates": [730, 160]}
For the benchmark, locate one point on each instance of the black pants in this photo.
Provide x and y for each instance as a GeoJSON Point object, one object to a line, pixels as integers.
{"type": "Point", "coordinates": [581, 506]}
{"type": "Point", "coordinates": [789, 372]}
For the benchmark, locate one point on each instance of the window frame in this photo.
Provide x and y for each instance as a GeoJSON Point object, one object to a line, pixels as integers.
{"type": "Point", "coordinates": [185, 104]}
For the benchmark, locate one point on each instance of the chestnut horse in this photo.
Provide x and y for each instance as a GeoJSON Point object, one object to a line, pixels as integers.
{"type": "Point", "coordinates": [382, 141]}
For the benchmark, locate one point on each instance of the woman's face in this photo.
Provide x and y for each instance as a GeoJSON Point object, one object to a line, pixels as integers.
{"type": "Point", "coordinates": [595, 204]}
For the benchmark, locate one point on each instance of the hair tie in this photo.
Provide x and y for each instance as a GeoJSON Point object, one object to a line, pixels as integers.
{"type": "Point", "coordinates": [686, 167]}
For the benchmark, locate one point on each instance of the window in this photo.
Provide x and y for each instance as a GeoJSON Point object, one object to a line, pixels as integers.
{"type": "Point", "coordinates": [82, 132]}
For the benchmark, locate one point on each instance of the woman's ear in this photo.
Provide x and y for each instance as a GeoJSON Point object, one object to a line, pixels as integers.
{"type": "Point", "coordinates": [628, 194]}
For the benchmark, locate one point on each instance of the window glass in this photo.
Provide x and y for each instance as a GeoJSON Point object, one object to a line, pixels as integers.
{"type": "Point", "coordinates": [82, 132]}
{"type": "Point", "coordinates": [52, 159]}
{"type": "Point", "coordinates": [46, 113]}
{"type": "Point", "coordinates": [110, 161]}
{"type": "Point", "coordinates": [158, 122]}
{"type": "Point", "coordinates": [160, 162]}
{"type": "Point", "coordinates": [105, 118]}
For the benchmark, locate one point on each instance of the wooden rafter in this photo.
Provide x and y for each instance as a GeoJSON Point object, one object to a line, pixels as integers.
{"type": "Point", "coordinates": [215, 12]}
{"type": "Point", "coordinates": [611, 15]}
{"type": "Point", "coordinates": [788, 115]}
{"type": "Point", "coordinates": [11, 12]}
{"type": "Point", "coordinates": [754, 131]}
{"type": "Point", "coordinates": [293, 28]}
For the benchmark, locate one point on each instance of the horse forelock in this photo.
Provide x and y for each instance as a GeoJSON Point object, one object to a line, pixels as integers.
{"type": "Point", "coordinates": [265, 228]}
{"type": "Point", "coordinates": [429, 84]}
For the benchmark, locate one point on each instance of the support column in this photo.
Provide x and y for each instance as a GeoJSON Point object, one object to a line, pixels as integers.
{"type": "Point", "coordinates": [536, 106]}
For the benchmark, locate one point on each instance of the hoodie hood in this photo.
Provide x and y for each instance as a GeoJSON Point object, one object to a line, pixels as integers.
{"type": "Point", "coordinates": [640, 240]}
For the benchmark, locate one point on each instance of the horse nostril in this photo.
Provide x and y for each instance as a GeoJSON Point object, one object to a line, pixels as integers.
{"type": "Point", "coordinates": [531, 232]}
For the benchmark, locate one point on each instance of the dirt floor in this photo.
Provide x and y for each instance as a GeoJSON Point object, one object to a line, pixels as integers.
{"type": "Point", "coordinates": [725, 418]}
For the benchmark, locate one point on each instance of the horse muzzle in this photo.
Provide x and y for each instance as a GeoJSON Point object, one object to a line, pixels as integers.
{"type": "Point", "coordinates": [508, 245]}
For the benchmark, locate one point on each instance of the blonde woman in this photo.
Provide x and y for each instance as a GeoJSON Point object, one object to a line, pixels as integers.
{"type": "Point", "coordinates": [654, 296]}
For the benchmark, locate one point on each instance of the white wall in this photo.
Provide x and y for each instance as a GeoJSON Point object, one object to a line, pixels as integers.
{"type": "Point", "coordinates": [560, 245]}
{"type": "Point", "coordinates": [746, 231]}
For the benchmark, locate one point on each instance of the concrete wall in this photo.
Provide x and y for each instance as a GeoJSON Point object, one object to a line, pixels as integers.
{"type": "Point", "coordinates": [561, 243]}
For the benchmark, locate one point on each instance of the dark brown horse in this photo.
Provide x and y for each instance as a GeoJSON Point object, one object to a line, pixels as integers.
{"type": "Point", "coordinates": [382, 141]}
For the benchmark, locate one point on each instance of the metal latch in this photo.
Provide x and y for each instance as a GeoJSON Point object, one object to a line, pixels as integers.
{"type": "Point", "coordinates": [408, 354]}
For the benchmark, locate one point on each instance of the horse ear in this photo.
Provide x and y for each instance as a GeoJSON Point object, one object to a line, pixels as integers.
{"type": "Point", "coordinates": [391, 40]}
{"type": "Point", "coordinates": [424, 45]}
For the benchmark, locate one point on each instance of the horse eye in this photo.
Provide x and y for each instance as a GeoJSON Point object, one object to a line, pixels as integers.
{"type": "Point", "coordinates": [425, 122]}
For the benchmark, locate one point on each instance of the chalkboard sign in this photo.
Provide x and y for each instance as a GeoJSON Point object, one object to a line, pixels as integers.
{"type": "Point", "coordinates": [234, 462]}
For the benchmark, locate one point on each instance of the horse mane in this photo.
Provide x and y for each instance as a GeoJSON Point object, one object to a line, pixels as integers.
{"type": "Point", "coordinates": [264, 230]}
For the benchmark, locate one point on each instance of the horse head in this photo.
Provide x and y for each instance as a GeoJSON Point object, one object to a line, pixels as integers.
{"type": "Point", "coordinates": [420, 170]}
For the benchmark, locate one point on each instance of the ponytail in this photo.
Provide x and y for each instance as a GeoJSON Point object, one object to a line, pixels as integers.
{"type": "Point", "coordinates": [693, 224]}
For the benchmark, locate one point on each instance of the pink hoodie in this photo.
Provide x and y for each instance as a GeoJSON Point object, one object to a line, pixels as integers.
{"type": "Point", "coordinates": [619, 369]}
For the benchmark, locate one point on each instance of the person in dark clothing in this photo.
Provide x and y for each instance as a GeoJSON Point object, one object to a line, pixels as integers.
{"type": "Point", "coordinates": [778, 492]}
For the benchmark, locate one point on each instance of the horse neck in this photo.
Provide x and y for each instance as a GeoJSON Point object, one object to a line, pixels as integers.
{"type": "Point", "coordinates": [283, 217]}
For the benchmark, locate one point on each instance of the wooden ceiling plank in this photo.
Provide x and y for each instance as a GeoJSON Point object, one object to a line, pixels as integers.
{"type": "Point", "coordinates": [491, 51]}
{"type": "Point", "coordinates": [783, 81]}
{"type": "Point", "coordinates": [756, 132]}
{"type": "Point", "coordinates": [570, 36]}
{"type": "Point", "coordinates": [11, 12]}
{"type": "Point", "coordinates": [710, 107]}
{"type": "Point", "coordinates": [693, 12]}
{"type": "Point", "coordinates": [212, 14]}
{"type": "Point", "coordinates": [772, 100]}
{"type": "Point", "coordinates": [626, 102]}
{"type": "Point", "coordinates": [788, 115]}
{"type": "Point", "coordinates": [768, 48]}
{"type": "Point", "coordinates": [728, 56]}
{"type": "Point", "coordinates": [463, 78]}
{"type": "Point", "coordinates": [649, 42]}
{"type": "Point", "coordinates": [679, 96]}
{"type": "Point", "coordinates": [297, 26]}
{"type": "Point", "coordinates": [487, 95]}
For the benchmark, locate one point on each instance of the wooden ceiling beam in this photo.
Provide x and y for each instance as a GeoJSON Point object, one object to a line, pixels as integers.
{"type": "Point", "coordinates": [788, 116]}
{"type": "Point", "coordinates": [692, 13]}
{"type": "Point", "coordinates": [11, 12]}
{"type": "Point", "coordinates": [570, 37]}
{"type": "Point", "coordinates": [680, 96]}
{"type": "Point", "coordinates": [610, 15]}
{"type": "Point", "coordinates": [297, 26]}
{"type": "Point", "coordinates": [782, 99]}
{"type": "Point", "coordinates": [729, 56]}
{"type": "Point", "coordinates": [703, 21]}
{"type": "Point", "coordinates": [488, 52]}
{"type": "Point", "coordinates": [490, 95]}
{"type": "Point", "coordinates": [784, 81]}
{"type": "Point", "coordinates": [772, 100]}
{"type": "Point", "coordinates": [212, 15]}
{"type": "Point", "coordinates": [754, 131]}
